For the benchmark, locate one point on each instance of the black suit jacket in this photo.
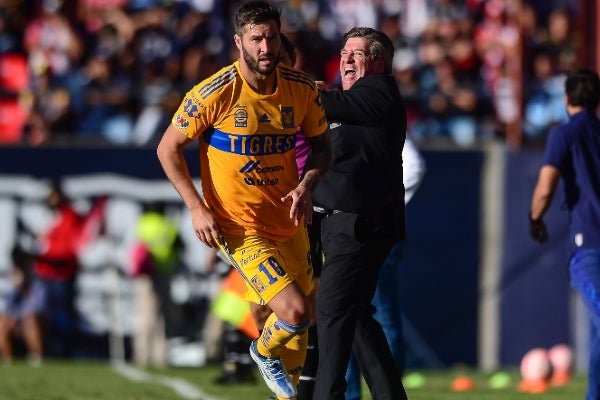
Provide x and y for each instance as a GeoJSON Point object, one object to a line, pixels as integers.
{"type": "Point", "coordinates": [367, 128]}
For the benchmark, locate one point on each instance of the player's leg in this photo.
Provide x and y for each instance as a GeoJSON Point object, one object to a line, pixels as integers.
{"type": "Point", "coordinates": [7, 325]}
{"type": "Point", "coordinates": [278, 275]}
{"type": "Point", "coordinates": [32, 335]}
{"type": "Point", "coordinates": [585, 278]}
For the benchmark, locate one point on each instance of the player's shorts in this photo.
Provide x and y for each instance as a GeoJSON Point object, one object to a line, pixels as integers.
{"type": "Point", "coordinates": [269, 266]}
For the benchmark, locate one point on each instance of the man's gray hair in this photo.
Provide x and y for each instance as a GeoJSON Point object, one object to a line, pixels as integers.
{"type": "Point", "coordinates": [378, 43]}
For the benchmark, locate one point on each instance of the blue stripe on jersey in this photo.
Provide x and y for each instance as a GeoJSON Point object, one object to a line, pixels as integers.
{"type": "Point", "coordinates": [250, 145]}
{"type": "Point", "coordinates": [217, 83]}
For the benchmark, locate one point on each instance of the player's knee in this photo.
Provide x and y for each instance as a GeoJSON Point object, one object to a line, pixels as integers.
{"type": "Point", "coordinates": [301, 312]}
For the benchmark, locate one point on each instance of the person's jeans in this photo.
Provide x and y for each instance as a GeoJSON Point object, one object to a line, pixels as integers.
{"type": "Point", "coordinates": [585, 278]}
{"type": "Point", "coordinates": [389, 316]}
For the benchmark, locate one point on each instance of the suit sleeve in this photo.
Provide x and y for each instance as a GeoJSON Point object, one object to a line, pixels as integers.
{"type": "Point", "coordinates": [367, 103]}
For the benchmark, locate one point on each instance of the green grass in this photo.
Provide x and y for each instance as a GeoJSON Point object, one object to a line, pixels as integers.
{"type": "Point", "coordinates": [98, 381]}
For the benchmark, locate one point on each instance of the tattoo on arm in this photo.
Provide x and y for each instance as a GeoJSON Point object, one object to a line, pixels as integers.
{"type": "Point", "coordinates": [318, 161]}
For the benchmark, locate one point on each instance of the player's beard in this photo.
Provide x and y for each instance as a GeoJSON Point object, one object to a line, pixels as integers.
{"type": "Point", "coordinates": [254, 63]}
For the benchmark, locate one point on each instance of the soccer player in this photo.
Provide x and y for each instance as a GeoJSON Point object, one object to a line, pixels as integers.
{"type": "Point", "coordinates": [254, 206]}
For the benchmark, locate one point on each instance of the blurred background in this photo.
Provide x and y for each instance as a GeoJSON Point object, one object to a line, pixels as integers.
{"type": "Point", "coordinates": [88, 86]}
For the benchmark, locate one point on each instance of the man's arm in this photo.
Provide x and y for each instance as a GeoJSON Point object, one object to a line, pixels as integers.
{"type": "Point", "coordinates": [318, 163]}
{"type": "Point", "coordinates": [541, 200]}
{"type": "Point", "coordinates": [170, 155]}
{"type": "Point", "coordinates": [367, 103]}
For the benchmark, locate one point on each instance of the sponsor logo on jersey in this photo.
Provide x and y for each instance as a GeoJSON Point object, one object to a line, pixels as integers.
{"type": "Point", "coordinates": [287, 117]}
{"type": "Point", "coordinates": [253, 166]}
{"type": "Point", "coordinates": [247, 258]}
{"type": "Point", "coordinates": [261, 181]}
{"type": "Point", "coordinates": [190, 108]}
{"type": "Point", "coordinates": [264, 119]}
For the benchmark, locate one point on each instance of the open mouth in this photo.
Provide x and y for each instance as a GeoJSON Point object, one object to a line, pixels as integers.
{"type": "Point", "coordinates": [349, 72]}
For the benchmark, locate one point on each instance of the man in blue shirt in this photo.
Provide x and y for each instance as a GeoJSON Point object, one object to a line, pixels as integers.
{"type": "Point", "coordinates": [573, 154]}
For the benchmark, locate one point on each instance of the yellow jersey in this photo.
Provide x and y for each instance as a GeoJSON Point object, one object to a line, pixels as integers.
{"type": "Point", "coordinates": [247, 146]}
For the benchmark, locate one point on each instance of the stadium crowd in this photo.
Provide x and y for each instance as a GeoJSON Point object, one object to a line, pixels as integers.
{"type": "Point", "coordinates": [112, 72]}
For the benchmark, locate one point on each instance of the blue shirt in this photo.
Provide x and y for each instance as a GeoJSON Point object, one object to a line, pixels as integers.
{"type": "Point", "coordinates": [574, 149]}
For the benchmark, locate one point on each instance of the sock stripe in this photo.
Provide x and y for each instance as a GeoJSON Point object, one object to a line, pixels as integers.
{"type": "Point", "coordinates": [296, 329]}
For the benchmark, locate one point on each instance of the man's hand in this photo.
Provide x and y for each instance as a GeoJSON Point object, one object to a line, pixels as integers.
{"type": "Point", "coordinates": [206, 227]}
{"type": "Point", "coordinates": [301, 201]}
{"type": "Point", "coordinates": [537, 230]}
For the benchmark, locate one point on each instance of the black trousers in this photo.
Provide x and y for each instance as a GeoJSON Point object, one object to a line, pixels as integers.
{"type": "Point", "coordinates": [354, 252]}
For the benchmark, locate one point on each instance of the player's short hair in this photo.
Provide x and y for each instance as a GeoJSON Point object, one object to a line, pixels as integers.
{"type": "Point", "coordinates": [256, 12]}
{"type": "Point", "coordinates": [582, 88]}
{"type": "Point", "coordinates": [379, 44]}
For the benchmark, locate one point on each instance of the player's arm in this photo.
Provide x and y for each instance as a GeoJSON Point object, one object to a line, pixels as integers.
{"type": "Point", "coordinates": [172, 160]}
{"type": "Point", "coordinates": [541, 200]}
{"type": "Point", "coordinates": [318, 163]}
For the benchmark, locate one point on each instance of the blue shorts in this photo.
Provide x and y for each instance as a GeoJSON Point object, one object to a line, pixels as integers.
{"type": "Point", "coordinates": [21, 303]}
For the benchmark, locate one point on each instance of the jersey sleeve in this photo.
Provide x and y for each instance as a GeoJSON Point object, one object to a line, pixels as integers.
{"type": "Point", "coordinates": [191, 117]}
{"type": "Point", "coordinates": [315, 122]}
{"type": "Point", "coordinates": [556, 148]}
{"type": "Point", "coordinates": [201, 106]}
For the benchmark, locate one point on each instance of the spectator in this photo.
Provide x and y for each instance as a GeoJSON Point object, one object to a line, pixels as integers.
{"type": "Point", "coordinates": [450, 107]}
{"type": "Point", "coordinates": [55, 260]}
{"type": "Point", "coordinates": [561, 39]}
{"type": "Point", "coordinates": [55, 51]}
{"type": "Point", "coordinates": [108, 113]}
{"type": "Point", "coordinates": [59, 38]}
{"type": "Point", "coordinates": [543, 98]}
{"type": "Point", "coordinates": [158, 257]}
{"type": "Point", "coordinates": [23, 317]}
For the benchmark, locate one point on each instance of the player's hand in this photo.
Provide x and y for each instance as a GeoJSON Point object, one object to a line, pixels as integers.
{"type": "Point", "coordinates": [321, 85]}
{"type": "Point", "coordinates": [537, 230]}
{"type": "Point", "coordinates": [301, 207]}
{"type": "Point", "coordinates": [206, 227]}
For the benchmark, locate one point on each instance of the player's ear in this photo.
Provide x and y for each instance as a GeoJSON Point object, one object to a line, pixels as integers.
{"type": "Point", "coordinates": [238, 41]}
